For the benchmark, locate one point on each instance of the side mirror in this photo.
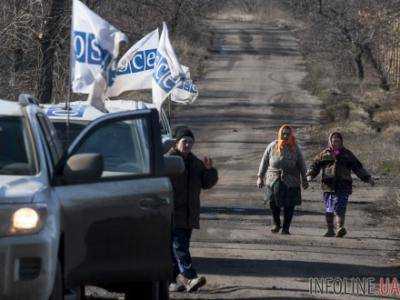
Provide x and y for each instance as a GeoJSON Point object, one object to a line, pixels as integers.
{"type": "Point", "coordinates": [83, 168]}
{"type": "Point", "coordinates": [173, 165]}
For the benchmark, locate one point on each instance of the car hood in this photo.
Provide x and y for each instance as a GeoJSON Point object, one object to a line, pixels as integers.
{"type": "Point", "coordinates": [18, 189]}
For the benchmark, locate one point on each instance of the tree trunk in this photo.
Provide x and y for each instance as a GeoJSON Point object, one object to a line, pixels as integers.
{"type": "Point", "coordinates": [45, 88]}
{"type": "Point", "coordinates": [175, 19]}
{"type": "Point", "coordinates": [378, 68]}
{"type": "Point", "coordinates": [359, 65]}
{"type": "Point", "coordinates": [17, 52]}
{"type": "Point", "coordinates": [320, 6]}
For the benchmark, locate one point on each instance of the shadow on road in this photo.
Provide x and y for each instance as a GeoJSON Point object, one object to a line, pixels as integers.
{"type": "Point", "coordinates": [298, 269]}
{"type": "Point", "coordinates": [102, 298]}
{"type": "Point", "coordinates": [236, 288]}
{"type": "Point", "coordinates": [250, 211]}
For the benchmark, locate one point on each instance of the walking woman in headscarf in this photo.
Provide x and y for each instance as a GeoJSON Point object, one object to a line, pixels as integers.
{"type": "Point", "coordinates": [337, 163]}
{"type": "Point", "coordinates": [282, 170]}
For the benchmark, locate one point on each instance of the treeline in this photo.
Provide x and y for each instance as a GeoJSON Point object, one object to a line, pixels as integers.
{"type": "Point", "coordinates": [353, 34]}
{"type": "Point", "coordinates": [35, 37]}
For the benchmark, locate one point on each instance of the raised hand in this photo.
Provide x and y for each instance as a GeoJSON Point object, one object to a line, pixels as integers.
{"type": "Point", "coordinates": [208, 163]}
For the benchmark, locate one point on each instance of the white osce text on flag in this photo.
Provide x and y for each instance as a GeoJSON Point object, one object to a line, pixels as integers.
{"type": "Point", "coordinates": [186, 91]}
{"type": "Point", "coordinates": [167, 71]}
{"type": "Point", "coordinates": [94, 45]}
{"type": "Point", "coordinates": [135, 68]}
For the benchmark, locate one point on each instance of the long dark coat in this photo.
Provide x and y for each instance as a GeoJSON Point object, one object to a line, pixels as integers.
{"type": "Point", "coordinates": [187, 188]}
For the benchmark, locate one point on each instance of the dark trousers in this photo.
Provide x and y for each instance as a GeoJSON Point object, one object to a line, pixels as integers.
{"type": "Point", "coordinates": [181, 258]}
{"type": "Point", "coordinates": [288, 212]}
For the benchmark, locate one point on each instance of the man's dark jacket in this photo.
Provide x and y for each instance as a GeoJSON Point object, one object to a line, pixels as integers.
{"type": "Point", "coordinates": [187, 188]}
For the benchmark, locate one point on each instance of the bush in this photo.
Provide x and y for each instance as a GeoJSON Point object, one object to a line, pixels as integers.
{"type": "Point", "coordinates": [392, 134]}
{"type": "Point", "coordinates": [388, 117]}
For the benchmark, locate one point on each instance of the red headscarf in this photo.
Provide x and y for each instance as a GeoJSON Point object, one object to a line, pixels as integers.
{"type": "Point", "coordinates": [291, 142]}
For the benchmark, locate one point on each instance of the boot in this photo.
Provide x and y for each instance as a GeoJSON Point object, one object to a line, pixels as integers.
{"type": "Point", "coordinates": [176, 287]}
{"type": "Point", "coordinates": [191, 285]}
{"type": "Point", "coordinates": [329, 222]}
{"type": "Point", "coordinates": [287, 219]}
{"type": "Point", "coordinates": [276, 211]}
{"type": "Point", "coordinates": [341, 231]}
{"type": "Point", "coordinates": [275, 228]}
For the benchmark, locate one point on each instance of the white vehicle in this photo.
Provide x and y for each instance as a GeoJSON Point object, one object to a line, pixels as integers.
{"type": "Point", "coordinates": [98, 213]}
{"type": "Point", "coordinates": [81, 114]}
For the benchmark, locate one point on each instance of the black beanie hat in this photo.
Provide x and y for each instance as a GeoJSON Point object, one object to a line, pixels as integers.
{"type": "Point", "coordinates": [182, 131]}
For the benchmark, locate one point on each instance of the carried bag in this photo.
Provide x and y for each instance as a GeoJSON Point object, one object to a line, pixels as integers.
{"type": "Point", "coordinates": [329, 171]}
{"type": "Point", "coordinates": [273, 186]}
{"type": "Point", "coordinates": [272, 176]}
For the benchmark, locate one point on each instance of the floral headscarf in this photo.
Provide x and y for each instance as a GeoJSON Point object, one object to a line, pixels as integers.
{"type": "Point", "coordinates": [336, 152]}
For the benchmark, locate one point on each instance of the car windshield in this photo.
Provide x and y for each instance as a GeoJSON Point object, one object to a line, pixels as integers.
{"type": "Point", "coordinates": [67, 134]}
{"type": "Point", "coordinates": [16, 148]}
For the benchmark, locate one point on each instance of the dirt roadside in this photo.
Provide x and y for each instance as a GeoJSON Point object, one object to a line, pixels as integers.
{"type": "Point", "coordinates": [253, 85]}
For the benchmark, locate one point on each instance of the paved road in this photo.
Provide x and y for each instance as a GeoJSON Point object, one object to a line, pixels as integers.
{"type": "Point", "coordinates": [252, 86]}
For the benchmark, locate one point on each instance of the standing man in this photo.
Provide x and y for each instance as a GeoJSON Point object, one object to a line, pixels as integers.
{"type": "Point", "coordinates": [187, 187]}
{"type": "Point", "coordinates": [337, 163]}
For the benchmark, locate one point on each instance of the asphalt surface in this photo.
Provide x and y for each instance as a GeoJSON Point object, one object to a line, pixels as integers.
{"type": "Point", "coordinates": [252, 86]}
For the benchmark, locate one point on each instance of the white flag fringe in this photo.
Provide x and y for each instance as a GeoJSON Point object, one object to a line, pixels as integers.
{"type": "Point", "coordinates": [135, 68]}
{"type": "Point", "coordinates": [94, 46]}
{"type": "Point", "coordinates": [167, 71]}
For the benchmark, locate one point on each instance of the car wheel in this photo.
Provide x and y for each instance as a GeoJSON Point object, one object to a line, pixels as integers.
{"type": "Point", "coordinates": [148, 290]}
{"type": "Point", "coordinates": [163, 291]}
{"type": "Point", "coordinates": [58, 287]}
{"type": "Point", "coordinates": [79, 293]}
{"type": "Point", "coordinates": [139, 290]}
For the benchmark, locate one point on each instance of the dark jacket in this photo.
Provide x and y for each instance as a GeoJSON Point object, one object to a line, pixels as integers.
{"type": "Point", "coordinates": [187, 188]}
{"type": "Point", "coordinates": [336, 170]}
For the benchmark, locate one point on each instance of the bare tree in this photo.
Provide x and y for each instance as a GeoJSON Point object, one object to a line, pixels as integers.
{"type": "Point", "coordinates": [35, 37]}
{"type": "Point", "coordinates": [52, 24]}
{"type": "Point", "coordinates": [347, 30]}
{"type": "Point", "coordinates": [20, 28]}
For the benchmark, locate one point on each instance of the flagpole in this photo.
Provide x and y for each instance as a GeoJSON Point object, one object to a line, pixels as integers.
{"type": "Point", "coordinates": [169, 109]}
{"type": "Point", "coordinates": [71, 51]}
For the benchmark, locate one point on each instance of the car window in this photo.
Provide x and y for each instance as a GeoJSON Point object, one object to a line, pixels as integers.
{"type": "Point", "coordinates": [51, 137]}
{"type": "Point", "coordinates": [66, 133]}
{"type": "Point", "coordinates": [16, 147]}
{"type": "Point", "coordinates": [124, 146]}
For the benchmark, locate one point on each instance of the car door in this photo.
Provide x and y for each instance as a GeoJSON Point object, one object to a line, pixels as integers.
{"type": "Point", "coordinates": [117, 228]}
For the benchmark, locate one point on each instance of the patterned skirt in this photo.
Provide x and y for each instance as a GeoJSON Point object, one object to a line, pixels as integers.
{"type": "Point", "coordinates": [336, 203]}
{"type": "Point", "coordinates": [282, 195]}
